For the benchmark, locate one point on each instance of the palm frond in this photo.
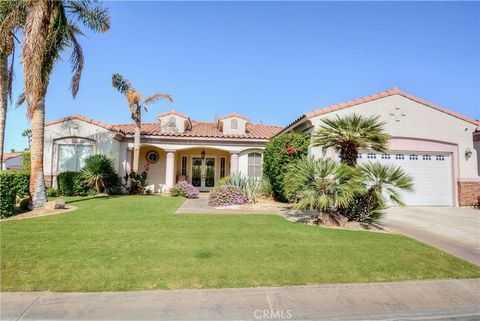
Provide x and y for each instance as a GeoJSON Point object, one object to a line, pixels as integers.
{"type": "Point", "coordinates": [154, 98]}
{"type": "Point", "coordinates": [76, 60]}
{"type": "Point", "coordinates": [90, 14]}
{"type": "Point", "coordinates": [122, 84]}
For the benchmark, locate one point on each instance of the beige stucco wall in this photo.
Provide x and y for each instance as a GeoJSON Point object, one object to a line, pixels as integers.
{"type": "Point", "coordinates": [227, 126]}
{"type": "Point", "coordinates": [156, 173]}
{"type": "Point", "coordinates": [406, 118]}
{"type": "Point", "coordinates": [103, 141]}
{"type": "Point", "coordinates": [180, 123]}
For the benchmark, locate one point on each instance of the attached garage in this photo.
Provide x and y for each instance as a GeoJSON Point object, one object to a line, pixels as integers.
{"type": "Point", "coordinates": [431, 143]}
{"type": "Point", "coordinates": [432, 175]}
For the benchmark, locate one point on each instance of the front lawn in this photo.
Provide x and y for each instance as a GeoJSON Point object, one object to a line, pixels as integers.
{"type": "Point", "coordinates": [137, 242]}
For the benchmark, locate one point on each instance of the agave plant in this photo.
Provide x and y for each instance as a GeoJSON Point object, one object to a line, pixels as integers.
{"type": "Point", "coordinates": [383, 182]}
{"type": "Point", "coordinates": [322, 185]}
{"type": "Point", "coordinates": [348, 134]}
{"type": "Point", "coordinates": [99, 174]}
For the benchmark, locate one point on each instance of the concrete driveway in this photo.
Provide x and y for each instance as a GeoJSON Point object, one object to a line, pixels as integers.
{"type": "Point", "coordinates": [454, 230]}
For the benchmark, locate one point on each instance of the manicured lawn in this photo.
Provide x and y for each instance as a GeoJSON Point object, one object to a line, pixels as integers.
{"type": "Point", "coordinates": [133, 243]}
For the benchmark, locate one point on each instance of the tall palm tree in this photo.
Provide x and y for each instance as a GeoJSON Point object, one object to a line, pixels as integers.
{"type": "Point", "coordinates": [8, 26]}
{"type": "Point", "coordinates": [136, 102]}
{"type": "Point", "coordinates": [348, 134]}
{"type": "Point", "coordinates": [382, 181]}
{"type": "Point", "coordinates": [49, 29]}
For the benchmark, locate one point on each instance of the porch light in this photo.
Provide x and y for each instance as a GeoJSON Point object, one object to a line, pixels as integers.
{"type": "Point", "coordinates": [468, 153]}
{"type": "Point", "coordinates": [202, 154]}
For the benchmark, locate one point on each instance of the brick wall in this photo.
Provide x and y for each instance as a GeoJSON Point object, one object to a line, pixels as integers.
{"type": "Point", "coordinates": [469, 193]}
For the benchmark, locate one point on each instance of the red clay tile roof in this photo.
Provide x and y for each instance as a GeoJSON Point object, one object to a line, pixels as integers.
{"type": "Point", "coordinates": [391, 92]}
{"type": "Point", "coordinates": [7, 156]}
{"type": "Point", "coordinates": [204, 129]}
{"type": "Point", "coordinates": [234, 115]}
{"type": "Point", "coordinates": [199, 129]}
{"type": "Point", "coordinates": [173, 112]}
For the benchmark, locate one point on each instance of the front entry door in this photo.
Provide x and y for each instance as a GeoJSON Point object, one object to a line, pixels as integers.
{"type": "Point", "coordinates": [203, 173]}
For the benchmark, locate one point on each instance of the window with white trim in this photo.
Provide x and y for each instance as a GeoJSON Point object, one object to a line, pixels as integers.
{"type": "Point", "coordinates": [385, 156]}
{"type": "Point", "coordinates": [371, 156]}
{"type": "Point", "coordinates": [427, 157]}
{"type": "Point", "coordinates": [413, 157]}
{"type": "Point", "coordinates": [183, 170]}
{"type": "Point", "coordinates": [71, 157]}
{"type": "Point", "coordinates": [255, 165]}
{"type": "Point", "coordinates": [440, 158]}
{"type": "Point", "coordinates": [399, 156]}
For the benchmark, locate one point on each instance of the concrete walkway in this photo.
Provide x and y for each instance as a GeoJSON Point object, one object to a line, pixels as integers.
{"type": "Point", "coordinates": [424, 300]}
{"type": "Point", "coordinates": [453, 229]}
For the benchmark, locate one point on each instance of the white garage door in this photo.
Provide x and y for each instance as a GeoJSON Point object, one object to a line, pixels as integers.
{"type": "Point", "coordinates": [431, 172]}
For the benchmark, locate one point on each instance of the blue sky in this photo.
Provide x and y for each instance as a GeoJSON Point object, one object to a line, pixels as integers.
{"type": "Point", "coordinates": [271, 61]}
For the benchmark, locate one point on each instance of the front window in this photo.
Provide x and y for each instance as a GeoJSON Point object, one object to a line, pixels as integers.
{"type": "Point", "coordinates": [184, 165]}
{"type": "Point", "coordinates": [255, 165]}
{"type": "Point", "coordinates": [71, 157]}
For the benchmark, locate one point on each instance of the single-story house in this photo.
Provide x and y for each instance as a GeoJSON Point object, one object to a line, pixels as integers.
{"type": "Point", "coordinates": [433, 144]}
{"type": "Point", "coordinates": [175, 147]}
{"type": "Point", "coordinates": [12, 161]}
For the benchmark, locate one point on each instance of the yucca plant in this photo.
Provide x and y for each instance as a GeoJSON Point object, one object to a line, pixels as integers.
{"type": "Point", "coordinates": [99, 174]}
{"type": "Point", "coordinates": [347, 134]}
{"type": "Point", "coordinates": [322, 185]}
{"type": "Point", "coordinates": [383, 182]}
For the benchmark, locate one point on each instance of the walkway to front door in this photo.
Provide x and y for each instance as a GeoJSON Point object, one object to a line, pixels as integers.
{"type": "Point", "coordinates": [200, 206]}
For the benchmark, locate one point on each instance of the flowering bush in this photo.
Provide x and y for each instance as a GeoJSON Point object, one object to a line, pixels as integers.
{"type": "Point", "coordinates": [184, 189]}
{"type": "Point", "coordinates": [226, 195]}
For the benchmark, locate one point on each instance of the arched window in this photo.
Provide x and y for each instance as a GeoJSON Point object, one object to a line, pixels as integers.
{"type": "Point", "coordinates": [255, 165]}
{"type": "Point", "coordinates": [234, 124]}
{"type": "Point", "coordinates": [172, 122]}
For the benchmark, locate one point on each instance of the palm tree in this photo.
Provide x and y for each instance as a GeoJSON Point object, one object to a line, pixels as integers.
{"type": "Point", "coordinates": [49, 29]}
{"type": "Point", "coordinates": [321, 184]}
{"type": "Point", "coordinates": [348, 134]}
{"type": "Point", "coordinates": [381, 181]}
{"type": "Point", "coordinates": [136, 102]}
{"type": "Point", "coordinates": [8, 25]}
{"type": "Point", "coordinates": [28, 134]}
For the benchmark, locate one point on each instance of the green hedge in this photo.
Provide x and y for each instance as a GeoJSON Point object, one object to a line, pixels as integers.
{"type": "Point", "coordinates": [12, 184]}
{"type": "Point", "coordinates": [280, 151]}
{"type": "Point", "coordinates": [71, 184]}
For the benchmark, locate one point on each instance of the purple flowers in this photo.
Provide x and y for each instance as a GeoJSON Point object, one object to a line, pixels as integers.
{"type": "Point", "coordinates": [184, 189]}
{"type": "Point", "coordinates": [226, 195]}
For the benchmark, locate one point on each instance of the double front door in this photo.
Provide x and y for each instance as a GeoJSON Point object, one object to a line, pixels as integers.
{"type": "Point", "coordinates": [203, 172]}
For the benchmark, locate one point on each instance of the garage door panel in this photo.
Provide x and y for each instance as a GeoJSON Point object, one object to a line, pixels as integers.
{"type": "Point", "coordinates": [431, 173]}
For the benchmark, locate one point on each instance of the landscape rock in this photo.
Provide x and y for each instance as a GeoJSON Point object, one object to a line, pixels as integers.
{"type": "Point", "coordinates": [55, 205]}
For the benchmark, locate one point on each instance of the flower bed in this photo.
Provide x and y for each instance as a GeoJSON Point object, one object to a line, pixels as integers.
{"type": "Point", "coordinates": [226, 195]}
{"type": "Point", "coordinates": [184, 189]}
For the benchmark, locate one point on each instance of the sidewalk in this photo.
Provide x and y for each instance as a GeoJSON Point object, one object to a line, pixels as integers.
{"type": "Point", "coordinates": [423, 300]}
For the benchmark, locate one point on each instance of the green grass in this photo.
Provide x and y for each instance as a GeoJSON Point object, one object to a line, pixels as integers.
{"type": "Point", "coordinates": [136, 243]}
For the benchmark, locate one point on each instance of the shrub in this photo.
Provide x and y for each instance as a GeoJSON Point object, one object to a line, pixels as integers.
{"type": "Point", "coordinates": [99, 174]}
{"type": "Point", "coordinates": [249, 186]}
{"type": "Point", "coordinates": [222, 181]}
{"type": "Point", "coordinates": [66, 183]}
{"type": "Point", "coordinates": [52, 192]}
{"type": "Point", "coordinates": [226, 195]}
{"type": "Point", "coordinates": [7, 194]}
{"type": "Point", "coordinates": [135, 184]}
{"type": "Point", "coordinates": [280, 151]}
{"type": "Point", "coordinates": [24, 204]}
{"type": "Point", "coordinates": [13, 184]}
{"type": "Point", "coordinates": [26, 160]}
{"type": "Point", "coordinates": [265, 189]}
{"type": "Point", "coordinates": [184, 189]}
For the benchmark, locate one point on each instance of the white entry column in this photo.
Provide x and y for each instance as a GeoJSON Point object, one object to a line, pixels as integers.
{"type": "Point", "coordinates": [170, 169]}
{"type": "Point", "coordinates": [233, 162]}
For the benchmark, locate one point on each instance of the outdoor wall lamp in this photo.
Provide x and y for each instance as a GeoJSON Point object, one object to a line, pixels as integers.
{"type": "Point", "coordinates": [202, 154]}
{"type": "Point", "coordinates": [468, 153]}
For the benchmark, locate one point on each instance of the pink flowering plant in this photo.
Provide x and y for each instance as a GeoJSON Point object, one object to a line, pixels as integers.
{"type": "Point", "coordinates": [226, 195]}
{"type": "Point", "coordinates": [184, 189]}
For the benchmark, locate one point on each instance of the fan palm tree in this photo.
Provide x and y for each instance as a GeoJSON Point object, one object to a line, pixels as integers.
{"type": "Point", "coordinates": [382, 181]}
{"type": "Point", "coordinates": [49, 29]}
{"type": "Point", "coordinates": [8, 27]}
{"type": "Point", "coordinates": [321, 184]}
{"type": "Point", "coordinates": [136, 102]}
{"type": "Point", "coordinates": [348, 134]}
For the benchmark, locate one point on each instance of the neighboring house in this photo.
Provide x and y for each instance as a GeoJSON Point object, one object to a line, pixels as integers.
{"type": "Point", "coordinates": [433, 144]}
{"type": "Point", "coordinates": [175, 147]}
{"type": "Point", "coordinates": [12, 161]}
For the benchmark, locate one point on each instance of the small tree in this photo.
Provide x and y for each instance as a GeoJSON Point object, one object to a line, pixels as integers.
{"type": "Point", "coordinates": [347, 134]}
{"type": "Point", "coordinates": [280, 151]}
{"type": "Point", "coordinates": [99, 174]}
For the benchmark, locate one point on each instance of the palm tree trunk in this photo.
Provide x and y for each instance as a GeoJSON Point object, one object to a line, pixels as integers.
{"type": "Point", "coordinates": [37, 180]}
{"type": "Point", "coordinates": [136, 148]}
{"type": "Point", "coordinates": [3, 104]}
